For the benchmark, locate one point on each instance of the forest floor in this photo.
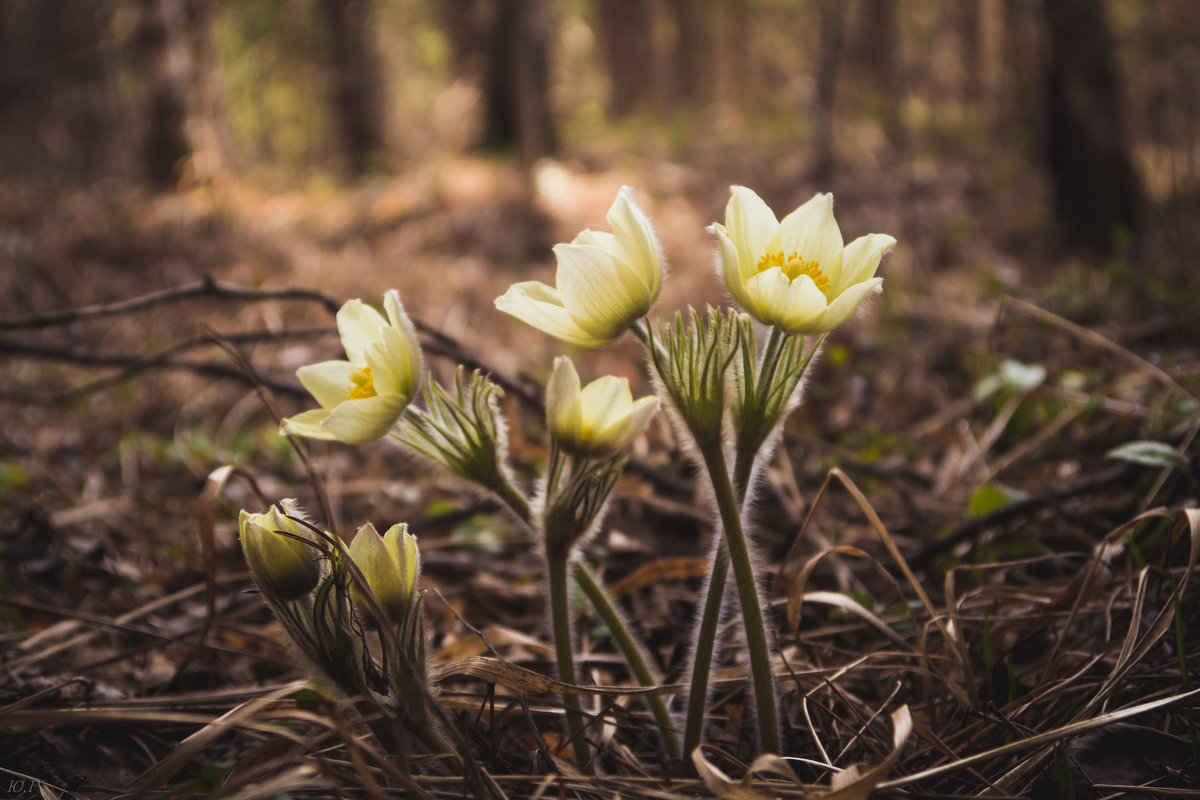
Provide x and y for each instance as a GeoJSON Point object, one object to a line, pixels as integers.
{"type": "Point", "coordinates": [945, 500]}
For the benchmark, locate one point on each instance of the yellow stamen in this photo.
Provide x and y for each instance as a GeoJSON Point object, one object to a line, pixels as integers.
{"type": "Point", "coordinates": [793, 267]}
{"type": "Point", "coordinates": [363, 384]}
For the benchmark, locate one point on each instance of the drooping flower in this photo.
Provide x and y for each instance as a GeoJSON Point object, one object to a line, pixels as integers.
{"type": "Point", "coordinates": [390, 563]}
{"type": "Point", "coordinates": [280, 553]}
{"type": "Point", "coordinates": [795, 274]}
{"type": "Point", "coordinates": [361, 398]}
{"type": "Point", "coordinates": [597, 421]}
{"type": "Point", "coordinates": [604, 281]}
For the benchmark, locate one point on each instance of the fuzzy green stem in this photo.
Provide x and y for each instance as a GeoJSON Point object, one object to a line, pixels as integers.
{"type": "Point", "coordinates": [601, 601]}
{"type": "Point", "coordinates": [515, 501]}
{"type": "Point", "coordinates": [560, 616]}
{"type": "Point", "coordinates": [752, 616]}
{"type": "Point", "coordinates": [706, 642]}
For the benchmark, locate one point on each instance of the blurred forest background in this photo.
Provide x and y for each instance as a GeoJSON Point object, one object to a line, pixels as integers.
{"type": "Point", "coordinates": [1038, 161]}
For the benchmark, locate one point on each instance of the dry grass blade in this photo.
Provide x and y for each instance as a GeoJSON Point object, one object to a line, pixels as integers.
{"type": "Point", "coordinates": [1039, 740]}
{"type": "Point", "coordinates": [520, 679]}
{"type": "Point", "coordinates": [157, 776]}
{"type": "Point", "coordinates": [847, 785]}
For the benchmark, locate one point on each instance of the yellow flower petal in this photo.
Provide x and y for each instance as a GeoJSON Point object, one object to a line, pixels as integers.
{"type": "Point", "coordinates": [364, 420]}
{"type": "Point", "coordinates": [328, 382]}
{"type": "Point", "coordinates": [540, 306]}
{"type": "Point", "coordinates": [861, 259]}
{"type": "Point", "coordinates": [358, 325]}
{"type": "Point", "coordinates": [603, 294]}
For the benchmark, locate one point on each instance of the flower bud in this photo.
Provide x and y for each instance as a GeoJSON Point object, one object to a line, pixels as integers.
{"type": "Point", "coordinates": [597, 421]}
{"type": "Point", "coordinates": [281, 555]}
{"type": "Point", "coordinates": [390, 564]}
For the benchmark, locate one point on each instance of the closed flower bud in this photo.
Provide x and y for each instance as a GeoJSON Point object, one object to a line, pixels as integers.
{"type": "Point", "coordinates": [597, 421]}
{"type": "Point", "coordinates": [284, 566]}
{"type": "Point", "coordinates": [390, 564]}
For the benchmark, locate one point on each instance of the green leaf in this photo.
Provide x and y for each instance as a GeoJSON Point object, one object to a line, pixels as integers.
{"type": "Point", "coordinates": [989, 498]}
{"type": "Point", "coordinates": [1149, 454]}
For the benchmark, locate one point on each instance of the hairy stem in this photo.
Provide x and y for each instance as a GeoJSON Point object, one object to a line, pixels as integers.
{"type": "Point", "coordinates": [601, 601]}
{"type": "Point", "coordinates": [560, 615]}
{"type": "Point", "coordinates": [706, 642]}
{"type": "Point", "coordinates": [752, 616]}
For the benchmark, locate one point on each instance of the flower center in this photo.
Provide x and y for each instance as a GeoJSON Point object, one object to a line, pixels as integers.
{"type": "Point", "coordinates": [794, 266]}
{"type": "Point", "coordinates": [363, 384]}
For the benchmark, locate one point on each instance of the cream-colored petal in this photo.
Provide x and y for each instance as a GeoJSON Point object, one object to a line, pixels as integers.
{"type": "Point", "coordinates": [812, 233]}
{"type": "Point", "coordinates": [861, 260]}
{"type": "Point", "coordinates": [402, 546]}
{"type": "Point", "coordinates": [329, 382]}
{"type": "Point", "coordinates": [366, 419]}
{"type": "Point", "coordinates": [562, 396]}
{"type": "Point", "coordinates": [540, 306]}
{"type": "Point", "coordinates": [392, 365]}
{"type": "Point", "coordinates": [358, 325]}
{"type": "Point", "coordinates": [843, 307]}
{"type": "Point", "coordinates": [370, 554]}
{"type": "Point", "coordinates": [605, 241]}
{"type": "Point", "coordinates": [604, 400]}
{"type": "Point", "coordinates": [751, 224]}
{"type": "Point", "coordinates": [602, 294]}
{"type": "Point", "coordinates": [633, 420]}
{"type": "Point", "coordinates": [635, 236]}
{"type": "Point", "coordinates": [308, 424]}
{"type": "Point", "coordinates": [782, 303]}
{"type": "Point", "coordinates": [728, 260]}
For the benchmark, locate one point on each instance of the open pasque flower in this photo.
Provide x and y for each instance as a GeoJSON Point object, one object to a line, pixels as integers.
{"type": "Point", "coordinates": [604, 282]}
{"type": "Point", "coordinates": [597, 421]}
{"type": "Point", "coordinates": [361, 398]}
{"type": "Point", "coordinates": [795, 274]}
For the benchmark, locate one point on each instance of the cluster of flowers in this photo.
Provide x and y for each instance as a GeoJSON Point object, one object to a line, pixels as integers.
{"type": "Point", "coordinates": [726, 388]}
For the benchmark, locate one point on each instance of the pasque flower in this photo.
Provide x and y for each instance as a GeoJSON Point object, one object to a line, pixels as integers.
{"type": "Point", "coordinates": [795, 274]}
{"type": "Point", "coordinates": [604, 281]}
{"type": "Point", "coordinates": [390, 564]}
{"type": "Point", "coordinates": [362, 397]}
{"type": "Point", "coordinates": [281, 554]}
{"type": "Point", "coordinates": [597, 421]}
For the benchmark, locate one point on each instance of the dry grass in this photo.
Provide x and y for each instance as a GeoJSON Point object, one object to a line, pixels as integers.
{"type": "Point", "coordinates": [1043, 647]}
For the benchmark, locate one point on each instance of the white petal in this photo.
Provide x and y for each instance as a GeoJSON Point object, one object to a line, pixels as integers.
{"type": "Point", "coordinates": [602, 294]}
{"type": "Point", "coordinates": [562, 392]}
{"type": "Point", "coordinates": [358, 325]}
{"type": "Point", "coordinates": [392, 365]}
{"type": "Point", "coordinates": [539, 305]}
{"type": "Point", "coordinates": [604, 401]}
{"type": "Point", "coordinates": [843, 307]}
{"type": "Point", "coordinates": [308, 424]}
{"type": "Point", "coordinates": [364, 420]}
{"type": "Point", "coordinates": [812, 233]}
{"type": "Point", "coordinates": [751, 224]}
{"type": "Point", "coordinates": [605, 241]}
{"type": "Point", "coordinates": [729, 262]}
{"type": "Point", "coordinates": [782, 303]}
{"type": "Point", "coordinates": [635, 235]}
{"type": "Point", "coordinates": [329, 382]}
{"type": "Point", "coordinates": [861, 260]}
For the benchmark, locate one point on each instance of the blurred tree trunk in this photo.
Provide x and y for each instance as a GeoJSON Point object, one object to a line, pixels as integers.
{"type": "Point", "coordinates": [1097, 190]}
{"type": "Point", "coordinates": [626, 30]}
{"type": "Point", "coordinates": [876, 50]}
{"type": "Point", "coordinates": [460, 23]}
{"type": "Point", "coordinates": [210, 133]}
{"type": "Point", "coordinates": [165, 68]}
{"type": "Point", "coordinates": [56, 104]}
{"type": "Point", "coordinates": [694, 54]}
{"type": "Point", "coordinates": [737, 88]}
{"type": "Point", "coordinates": [980, 41]}
{"type": "Point", "coordinates": [517, 88]}
{"type": "Point", "coordinates": [357, 84]}
{"type": "Point", "coordinates": [831, 36]}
